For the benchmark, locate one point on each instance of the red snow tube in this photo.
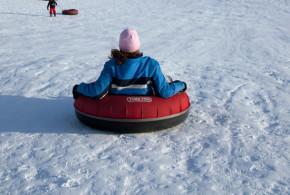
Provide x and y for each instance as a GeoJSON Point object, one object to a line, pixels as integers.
{"type": "Point", "coordinates": [132, 114]}
{"type": "Point", "coordinates": [70, 12]}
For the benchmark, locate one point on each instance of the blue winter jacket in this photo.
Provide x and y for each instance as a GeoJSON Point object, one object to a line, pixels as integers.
{"type": "Point", "coordinates": [138, 76]}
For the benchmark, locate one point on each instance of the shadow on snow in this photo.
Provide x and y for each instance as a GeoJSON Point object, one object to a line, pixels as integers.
{"type": "Point", "coordinates": [34, 115]}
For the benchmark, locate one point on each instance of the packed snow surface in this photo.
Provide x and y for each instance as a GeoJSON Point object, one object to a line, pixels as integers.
{"type": "Point", "coordinates": [233, 55]}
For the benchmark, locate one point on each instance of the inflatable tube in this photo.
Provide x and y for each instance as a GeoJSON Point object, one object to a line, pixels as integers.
{"type": "Point", "coordinates": [70, 12]}
{"type": "Point", "coordinates": [132, 114]}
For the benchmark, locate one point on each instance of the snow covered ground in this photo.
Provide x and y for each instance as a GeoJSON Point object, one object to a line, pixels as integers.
{"type": "Point", "coordinates": [234, 56]}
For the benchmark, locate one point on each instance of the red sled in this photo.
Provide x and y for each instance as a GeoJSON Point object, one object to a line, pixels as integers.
{"type": "Point", "coordinates": [132, 114]}
{"type": "Point", "coordinates": [70, 12]}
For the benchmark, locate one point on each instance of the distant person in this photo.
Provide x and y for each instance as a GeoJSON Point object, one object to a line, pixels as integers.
{"type": "Point", "coordinates": [129, 73]}
{"type": "Point", "coordinates": [52, 5]}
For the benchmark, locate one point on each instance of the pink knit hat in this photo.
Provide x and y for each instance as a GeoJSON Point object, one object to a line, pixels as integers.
{"type": "Point", "coordinates": [129, 41]}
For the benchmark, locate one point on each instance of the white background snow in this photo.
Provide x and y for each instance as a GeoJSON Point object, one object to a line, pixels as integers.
{"type": "Point", "coordinates": [234, 56]}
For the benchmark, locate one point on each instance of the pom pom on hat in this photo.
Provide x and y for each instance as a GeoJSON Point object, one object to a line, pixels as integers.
{"type": "Point", "coordinates": [129, 41]}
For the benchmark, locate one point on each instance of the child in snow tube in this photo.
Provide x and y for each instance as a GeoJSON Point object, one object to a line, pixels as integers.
{"type": "Point", "coordinates": [52, 5]}
{"type": "Point", "coordinates": [128, 72]}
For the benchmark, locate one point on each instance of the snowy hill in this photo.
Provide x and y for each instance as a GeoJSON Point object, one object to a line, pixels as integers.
{"type": "Point", "coordinates": [234, 56]}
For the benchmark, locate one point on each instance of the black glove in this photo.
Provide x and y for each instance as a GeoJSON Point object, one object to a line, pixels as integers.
{"type": "Point", "coordinates": [183, 83]}
{"type": "Point", "coordinates": [185, 88]}
{"type": "Point", "coordinates": [74, 92]}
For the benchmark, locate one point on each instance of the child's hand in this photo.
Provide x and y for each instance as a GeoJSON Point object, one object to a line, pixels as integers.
{"type": "Point", "coordinates": [74, 92]}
